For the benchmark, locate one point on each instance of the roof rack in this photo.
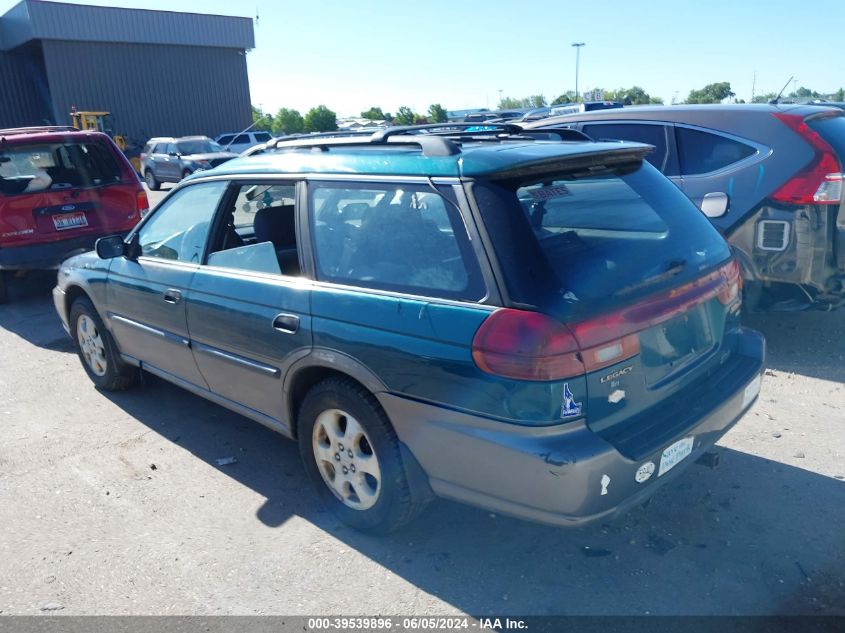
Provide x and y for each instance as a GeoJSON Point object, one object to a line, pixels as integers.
{"type": "Point", "coordinates": [429, 145]}
{"type": "Point", "coordinates": [433, 139]}
{"type": "Point", "coordinates": [37, 129]}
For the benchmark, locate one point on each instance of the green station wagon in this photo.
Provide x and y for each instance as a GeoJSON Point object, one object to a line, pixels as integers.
{"type": "Point", "coordinates": [544, 328]}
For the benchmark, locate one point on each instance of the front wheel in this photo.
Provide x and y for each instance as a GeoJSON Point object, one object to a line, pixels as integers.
{"type": "Point", "coordinates": [351, 454]}
{"type": "Point", "coordinates": [186, 173]}
{"type": "Point", "coordinates": [97, 349]}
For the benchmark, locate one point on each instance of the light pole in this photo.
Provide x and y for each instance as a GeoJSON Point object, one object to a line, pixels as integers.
{"type": "Point", "coordinates": [577, 46]}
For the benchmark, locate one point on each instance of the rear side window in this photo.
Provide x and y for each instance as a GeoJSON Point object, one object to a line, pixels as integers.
{"type": "Point", "coordinates": [576, 244]}
{"type": "Point", "coordinates": [55, 166]}
{"type": "Point", "coordinates": [400, 237]}
{"type": "Point", "coordinates": [241, 139]}
{"type": "Point", "coordinates": [702, 152]}
{"type": "Point", "coordinates": [653, 134]}
{"type": "Point", "coordinates": [262, 137]}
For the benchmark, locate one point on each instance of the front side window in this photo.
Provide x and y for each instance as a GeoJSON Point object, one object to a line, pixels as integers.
{"type": "Point", "coordinates": [262, 137]}
{"type": "Point", "coordinates": [259, 232]}
{"type": "Point", "coordinates": [225, 140]}
{"type": "Point", "coordinates": [179, 227]}
{"type": "Point", "coordinates": [702, 152]}
{"type": "Point", "coordinates": [404, 238]}
{"type": "Point", "coordinates": [650, 133]}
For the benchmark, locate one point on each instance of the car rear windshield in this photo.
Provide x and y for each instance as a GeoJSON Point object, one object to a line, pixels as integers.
{"type": "Point", "coordinates": [579, 243]}
{"type": "Point", "coordinates": [198, 147]}
{"type": "Point", "coordinates": [832, 130]}
{"type": "Point", "coordinates": [53, 166]}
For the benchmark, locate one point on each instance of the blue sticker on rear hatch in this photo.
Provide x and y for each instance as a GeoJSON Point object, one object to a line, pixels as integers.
{"type": "Point", "coordinates": [569, 408]}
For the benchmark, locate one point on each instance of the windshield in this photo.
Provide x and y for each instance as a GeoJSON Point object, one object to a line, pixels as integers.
{"type": "Point", "coordinates": [576, 244]}
{"type": "Point", "coordinates": [199, 147]}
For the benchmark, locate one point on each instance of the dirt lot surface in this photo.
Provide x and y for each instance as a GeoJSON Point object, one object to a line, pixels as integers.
{"type": "Point", "coordinates": [114, 504]}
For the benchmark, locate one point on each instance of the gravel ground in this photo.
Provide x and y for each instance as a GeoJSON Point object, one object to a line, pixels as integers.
{"type": "Point", "coordinates": [114, 504]}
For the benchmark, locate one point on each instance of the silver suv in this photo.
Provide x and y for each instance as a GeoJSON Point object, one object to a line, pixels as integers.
{"type": "Point", "coordinates": [168, 159]}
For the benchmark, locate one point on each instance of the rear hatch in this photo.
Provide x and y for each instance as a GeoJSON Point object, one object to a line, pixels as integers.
{"type": "Point", "coordinates": [58, 187]}
{"type": "Point", "coordinates": [643, 283]}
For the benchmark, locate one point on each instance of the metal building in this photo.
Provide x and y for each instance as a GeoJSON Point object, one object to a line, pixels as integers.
{"type": "Point", "coordinates": [159, 73]}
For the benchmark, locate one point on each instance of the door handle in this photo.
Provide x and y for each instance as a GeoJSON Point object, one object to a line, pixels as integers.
{"type": "Point", "coordinates": [172, 296]}
{"type": "Point", "coordinates": [287, 323]}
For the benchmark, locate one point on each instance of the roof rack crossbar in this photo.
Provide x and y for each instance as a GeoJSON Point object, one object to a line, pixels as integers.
{"type": "Point", "coordinates": [37, 128]}
{"type": "Point", "coordinates": [429, 145]}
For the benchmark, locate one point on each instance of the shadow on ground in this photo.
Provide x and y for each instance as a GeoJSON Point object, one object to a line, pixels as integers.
{"type": "Point", "coordinates": [30, 314]}
{"type": "Point", "coordinates": [754, 537]}
{"type": "Point", "coordinates": [806, 343]}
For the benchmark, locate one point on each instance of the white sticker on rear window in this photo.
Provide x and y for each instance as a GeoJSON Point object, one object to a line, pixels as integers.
{"type": "Point", "coordinates": [547, 193]}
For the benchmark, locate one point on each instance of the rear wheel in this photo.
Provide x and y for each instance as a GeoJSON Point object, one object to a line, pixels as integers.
{"type": "Point", "coordinates": [351, 454]}
{"type": "Point", "coordinates": [97, 349]}
{"type": "Point", "coordinates": [186, 173]}
{"type": "Point", "coordinates": [4, 292]}
{"type": "Point", "coordinates": [150, 179]}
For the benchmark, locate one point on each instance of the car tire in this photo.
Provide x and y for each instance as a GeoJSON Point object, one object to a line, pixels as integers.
{"type": "Point", "coordinates": [150, 179]}
{"type": "Point", "coordinates": [97, 350]}
{"type": "Point", "coordinates": [4, 288]}
{"type": "Point", "coordinates": [367, 488]}
{"type": "Point", "coordinates": [186, 173]}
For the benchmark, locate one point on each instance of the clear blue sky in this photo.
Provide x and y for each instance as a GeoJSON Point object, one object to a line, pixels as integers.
{"type": "Point", "coordinates": [353, 55]}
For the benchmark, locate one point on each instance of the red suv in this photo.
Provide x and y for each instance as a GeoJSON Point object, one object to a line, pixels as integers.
{"type": "Point", "coordinates": [60, 190]}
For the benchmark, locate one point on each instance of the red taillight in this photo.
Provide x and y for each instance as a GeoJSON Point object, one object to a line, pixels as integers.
{"type": "Point", "coordinates": [820, 182]}
{"type": "Point", "coordinates": [526, 346]}
{"type": "Point", "coordinates": [532, 346]}
{"type": "Point", "coordinates": [142, 203]}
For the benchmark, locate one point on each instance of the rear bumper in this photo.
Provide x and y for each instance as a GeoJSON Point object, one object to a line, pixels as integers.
{"type": "Point", "coordinates": [46, 255]}
{"type": "Point", "coordinates": [561, 475]}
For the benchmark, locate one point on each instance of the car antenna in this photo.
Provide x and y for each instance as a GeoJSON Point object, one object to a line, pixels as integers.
{"type": "Point", "coordinates": [776, 99]}
{"type": "Point", "coordinates": [254, 123]}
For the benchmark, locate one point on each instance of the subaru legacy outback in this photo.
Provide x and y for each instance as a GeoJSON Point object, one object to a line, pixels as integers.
{"type": "Point", "coordinates": [542, 328]}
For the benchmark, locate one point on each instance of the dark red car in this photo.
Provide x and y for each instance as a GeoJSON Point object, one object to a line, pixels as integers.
{"type": "Point", "coordinates": [60, 190]}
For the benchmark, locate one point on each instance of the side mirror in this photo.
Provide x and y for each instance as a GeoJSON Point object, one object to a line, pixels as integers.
{"type": "Point", "coordinates": [110, 247]}
{"type": "Point", "coordinates": [173, 153]}
{"type": "Point", "coordinates": [715, 205]}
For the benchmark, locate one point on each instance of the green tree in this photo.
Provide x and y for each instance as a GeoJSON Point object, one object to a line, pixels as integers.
{"type": "Point", "coordinates": [420, 119]}
{"type": "Point", "coordinates": [711, 93]}
{"type": "Point", "coordinates": [374, 114]}
{"type": "Point", "coordinates": [320, 119]}
{"type": "Point", "coordinates": [537, 101]}
{"type": "Point", "coordinates": [404, 116]}
{"type": "Point", "coordinates": [263, 121]}
{"type": "Point", "coordinates": [635, 95]}
{"type": "Point", "coordinates": [566, 97]}
{"type": "Point", "coordinates": [288, 121]}
{"type": "Point", "coordinates": [764, 98]}
{"type": "Point", "coordinates": [509, 103]}
{"type": "Point", "coordinates": [804, 93]}
{"type": "Point", "coordinates": [839, 95]}
{"type": "Point", "coordinates": [437, 113]}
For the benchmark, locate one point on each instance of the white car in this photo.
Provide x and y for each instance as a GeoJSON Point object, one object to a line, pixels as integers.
{"type": "Point", "coordinates": [238, 143]}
